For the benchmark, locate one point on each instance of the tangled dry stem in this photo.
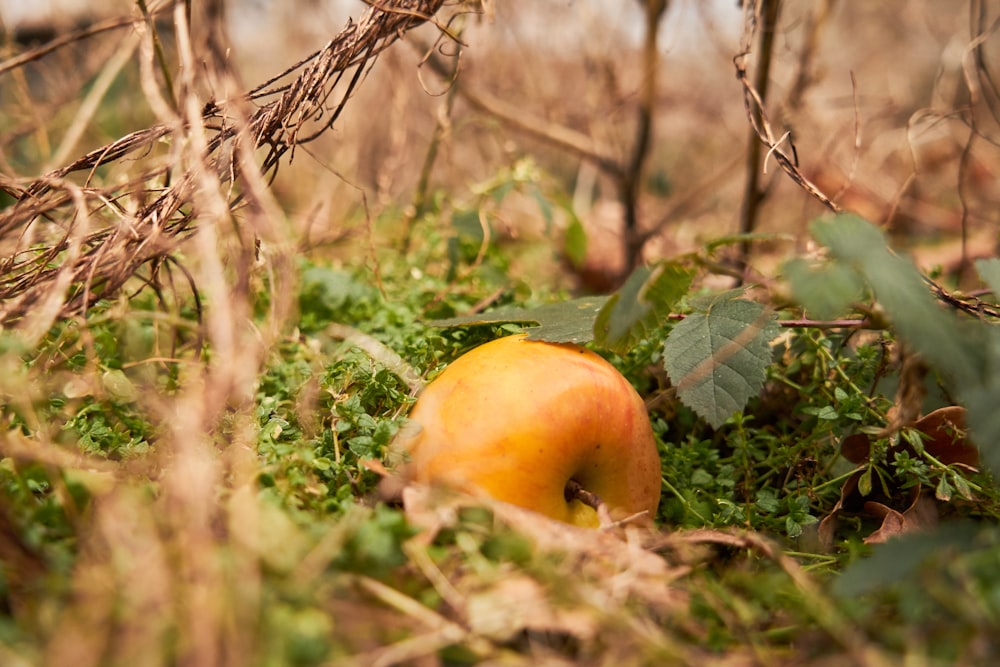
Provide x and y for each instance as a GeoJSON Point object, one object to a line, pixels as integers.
{"type": "Point", "coordinates": [69, 241]}
{"type": "Point", "coordinates": [757, 117]}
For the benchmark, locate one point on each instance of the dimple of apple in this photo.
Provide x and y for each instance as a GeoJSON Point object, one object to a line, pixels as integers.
{"type": "Point", "coordinates": [517, 420]}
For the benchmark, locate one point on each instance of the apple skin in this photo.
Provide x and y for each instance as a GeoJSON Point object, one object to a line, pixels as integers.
{"type": "Point", "coordinates": [517, 419]}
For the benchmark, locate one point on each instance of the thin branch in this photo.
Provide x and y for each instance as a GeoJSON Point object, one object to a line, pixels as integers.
{"type": "Point", "coordinates": [753, 195]}
{"type": "Point", "coordinates": [856, 157]}
{"type": "Point", "coordinates": [760, 126]}
{"type": "Point", "coordinates": [70, 38]}
{"type": "Point", "coordinates": [161, 57]}
{"type": "Point", "coordinates": [630, 181]}
{"type": "Point", "coordinates": [229, 133]}
{"type": "Point", "coordinates": [517, 117]}
{"type": "Point", "coordinates": [442, 127]}
{"type": "Point", "coordinates": [969, 304]}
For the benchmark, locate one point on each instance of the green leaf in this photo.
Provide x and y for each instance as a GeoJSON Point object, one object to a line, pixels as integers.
{"type": "Point", "coordinates": [562, 322]}
{"type": "Point", "coordinates": [792, 527]}
{"type": "Point", "coordinates": [981, 401]}
{"type": "Point", "coordinates": [767, 501]}
{"type": "Point", "coordinates": [865, 482]}
{"type": "Point", "coordinates": [718, 359]}
{"type": "Point", "coordinates": [326, 295]}
{"type": "Point", "coordinates": [989, 271]}
{"type": "Point", "coordinates": [943, 490]}
{"type": "Point", "coordinates": [119, 386]}
{"type": "Point", "coordinates": [950, 345]}
{"type": "Point", "coordinates": [965, 351]}
{"type": "Point", "coordinates": [961, 486]}
{"type": "Point", "coordinates": [544, 206]}
{"type": "Point", "coordinates": [825, 291]}
{"type": "Point", "coordinates": [575, 243]}
{"type": "Point", "coordinates": [900, 559]}
{"type": "Point", "coordinates": [827, 412]}
{"type": "Point", "coordinates": [643, 303]}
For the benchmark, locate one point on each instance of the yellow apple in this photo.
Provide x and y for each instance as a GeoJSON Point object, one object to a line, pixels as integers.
{"type": "Point", "coordinates": [520, 420]}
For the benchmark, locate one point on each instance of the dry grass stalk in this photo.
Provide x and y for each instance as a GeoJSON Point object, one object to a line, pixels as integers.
{"type": "Point", "coordinates": [168, 563]}
{"type": "Point", "coordinates": [52, 265]}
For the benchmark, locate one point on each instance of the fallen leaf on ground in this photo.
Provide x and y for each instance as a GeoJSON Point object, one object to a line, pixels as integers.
{"type": "Point", "coordinates": [944, 438]}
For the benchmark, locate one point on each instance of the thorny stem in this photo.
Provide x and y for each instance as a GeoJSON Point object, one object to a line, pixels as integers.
{"type": "Point", "coordinates": [683, 500]}
{"type": "Point", "coordinates": [757, 116]}
{"type": "Point", "coordinates": [753, 195]}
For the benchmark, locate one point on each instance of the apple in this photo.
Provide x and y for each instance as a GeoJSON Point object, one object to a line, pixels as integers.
{"type": "Point", "coordinates": [527, 422]}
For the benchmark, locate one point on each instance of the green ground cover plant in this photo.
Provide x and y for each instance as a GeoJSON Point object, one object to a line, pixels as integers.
{"type": "Point", "coordinates": [740, 519]}
{"type": "Point", "coordinates": [200, 394]}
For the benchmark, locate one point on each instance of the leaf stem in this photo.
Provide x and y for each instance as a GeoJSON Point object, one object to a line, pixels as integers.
{"type": "Point", "coordinates": [836, 480]}
{"type": "Point", "coordinates": [684, 501]}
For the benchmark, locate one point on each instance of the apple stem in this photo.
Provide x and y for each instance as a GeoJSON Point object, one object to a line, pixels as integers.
{"type": "Point", "coordinates": [575, 491]}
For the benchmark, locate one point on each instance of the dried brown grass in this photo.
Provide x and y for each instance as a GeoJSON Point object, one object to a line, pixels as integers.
{"type": "Point", "coordinates": [71, 240]}
{"type": "Point", "coordinates": [168, 564]}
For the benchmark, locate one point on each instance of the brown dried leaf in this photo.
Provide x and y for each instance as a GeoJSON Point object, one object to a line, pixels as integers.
{"type": "Point", "coordinates": [856, 447]}
{"type": "Point", "coordinates": [921, 514]}
{"type": "Point", "coordinates": [944, 439]}
{"type": "Point", "coordinates": [828, 524]}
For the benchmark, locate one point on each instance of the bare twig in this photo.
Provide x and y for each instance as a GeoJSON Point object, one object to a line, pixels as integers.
{"type": "Point", "coordinates": [856, 159]}
{"type": "Point", "coordinates": [971, 305]}
{"type": "Point", "coordinates": [753, 195]}
{"type": "Point", "coordinates": [760, 125]}
{"type": "Point", "coordinates": [517, 117]}
{"type": "Point", "coordinates": [441, 129]}
{"type": "Point", "coordinates": [630, 181]}
{"type": "Point", "coordinates": [805, 76]}
{"type": "Point", "coordinates": [39, 52]}
{"type": "Point", "coordinates": [982, 90]}
{"type": "Point", "coordinates": [161, 57]}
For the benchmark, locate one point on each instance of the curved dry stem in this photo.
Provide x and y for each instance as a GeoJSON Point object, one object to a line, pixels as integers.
{"type": "Point", "coordinates": [760, 125]}
{"type": "Point", "coordinates": [142, 220]}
